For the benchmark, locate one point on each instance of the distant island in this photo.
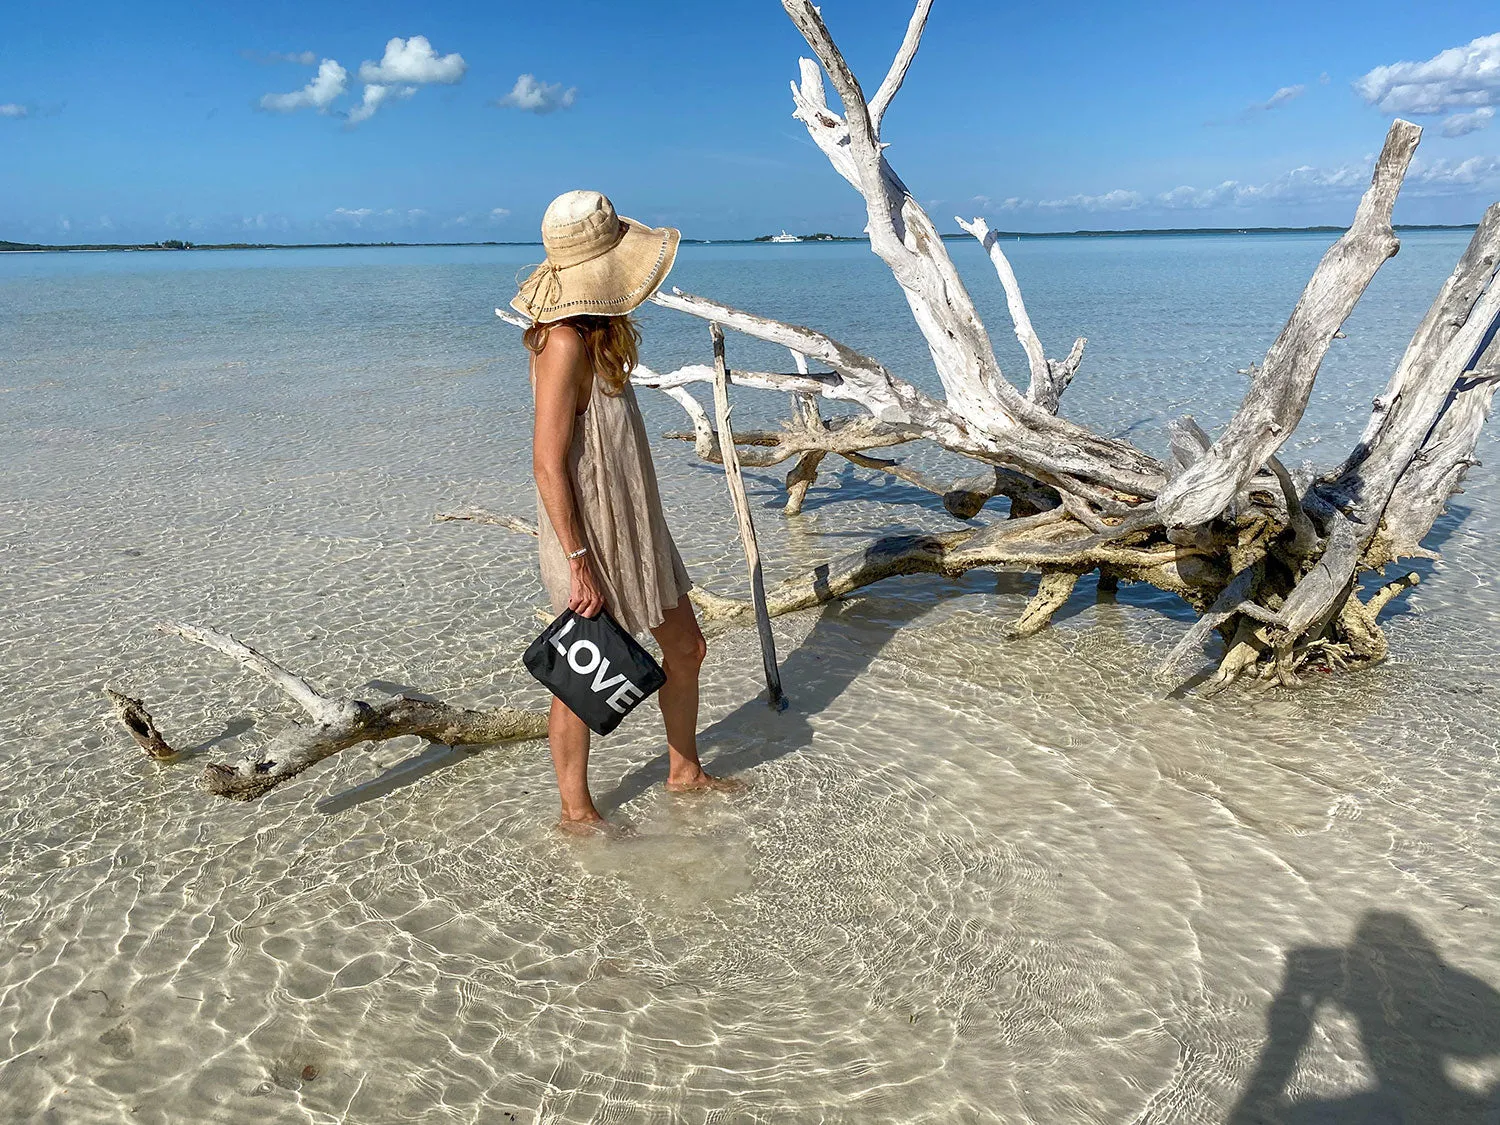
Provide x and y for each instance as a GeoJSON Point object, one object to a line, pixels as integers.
{"type": "Point", "coordinates": [820, 236]}
{"type": "Point", "coordinates": [177, 245]}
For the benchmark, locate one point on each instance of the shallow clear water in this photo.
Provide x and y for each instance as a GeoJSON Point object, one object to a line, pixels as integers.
{"type": "Point", "coordinates": [975, 878]}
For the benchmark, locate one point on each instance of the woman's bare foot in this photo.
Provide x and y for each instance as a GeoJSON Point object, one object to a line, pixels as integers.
{"type": "Point", "coordinates": [706, 783]}
{"type": "Point", "coordinates": [582, 822]}
{"type": "Point", "coordinates": [594, 827]}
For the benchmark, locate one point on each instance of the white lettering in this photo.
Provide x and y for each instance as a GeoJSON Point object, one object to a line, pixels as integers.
{"type": "Point", "coordinates": [600, 683]}
{"type": "Point", "coordinates": [579, 646]}
{"type": "Point", "coordinates": [624, 695]}
{"type": "Point", "coordinates": [561, 633]}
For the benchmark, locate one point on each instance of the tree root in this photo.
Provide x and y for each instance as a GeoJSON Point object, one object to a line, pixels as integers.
{"type": "Point", "coordinates": [1351, 640]}
{"type": "Point", "coordinates": [800, 478]}
{"type": "Point", "coordinates": [1049, 542]}
{"type": "Point", "coordinates": [1382, 597]}
{"type": "Point", "coordinates": [1055, 589]}
{"type": "Point", "coordinates": [484, 515]}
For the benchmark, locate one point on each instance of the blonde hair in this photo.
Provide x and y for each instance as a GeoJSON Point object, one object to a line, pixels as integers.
{"type": "Point", "coordinates": [612, 344]}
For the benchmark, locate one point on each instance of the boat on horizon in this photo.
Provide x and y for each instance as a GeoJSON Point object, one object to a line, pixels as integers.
{"type": "Point", "coordinates": [784, 237]}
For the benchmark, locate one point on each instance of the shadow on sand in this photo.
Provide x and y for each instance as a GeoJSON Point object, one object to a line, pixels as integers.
{"type": "Point", "coordinates": [432, 757]}
{"type": "Point", "coordinates": [847, 637]}
{"type": "Point", "coordinates": [1415, 1014]}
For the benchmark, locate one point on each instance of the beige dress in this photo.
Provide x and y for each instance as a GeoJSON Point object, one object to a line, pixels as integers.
{"type": "Point", "coordinates": [619, 506]}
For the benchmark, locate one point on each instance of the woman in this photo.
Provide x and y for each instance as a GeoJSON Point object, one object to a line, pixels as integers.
{"type": "Point", "coordinates": [601, 532]}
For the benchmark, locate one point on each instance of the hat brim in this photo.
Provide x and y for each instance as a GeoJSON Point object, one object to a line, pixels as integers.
{"type": "Point", "coordinates": [616, 282]}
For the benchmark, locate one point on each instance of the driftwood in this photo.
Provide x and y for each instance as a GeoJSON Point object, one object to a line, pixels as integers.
{"type": "Point", "coordinates": [741, 504]}
{"type": "Point", "coordinates": [140, 724]}
{"type": "Point", "coordinates": [336, 724]}
{"type": "Point", "coordinates": [1280, 387]}
{"type": "Point", "coordinates": [1270, 563]}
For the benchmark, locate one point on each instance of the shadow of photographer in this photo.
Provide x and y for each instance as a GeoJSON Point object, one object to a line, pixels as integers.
{"type": "Point", "coordinates": [1415, 1013]}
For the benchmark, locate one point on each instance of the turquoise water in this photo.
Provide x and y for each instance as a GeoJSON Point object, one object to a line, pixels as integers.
{"type": "Point", "coordinates": [975, 878]}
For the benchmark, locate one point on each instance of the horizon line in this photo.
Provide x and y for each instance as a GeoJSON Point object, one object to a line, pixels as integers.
{"type": "Point", "coordinates": [9, 247]}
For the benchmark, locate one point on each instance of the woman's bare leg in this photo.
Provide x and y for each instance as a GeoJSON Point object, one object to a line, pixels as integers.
{"type": "Point", "coordinates": [683, 650]}
{"type": "Point", "coordinates": [569, 739]}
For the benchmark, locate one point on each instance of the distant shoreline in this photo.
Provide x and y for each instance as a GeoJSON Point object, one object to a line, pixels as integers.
{"type": "Point", "coordinates": [1141, 232]}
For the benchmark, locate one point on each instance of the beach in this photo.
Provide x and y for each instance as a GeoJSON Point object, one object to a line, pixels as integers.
{"type": "Point", "coordinates": [974, 878]}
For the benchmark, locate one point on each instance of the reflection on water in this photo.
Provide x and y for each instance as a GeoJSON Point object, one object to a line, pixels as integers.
{"type": "Point", "coordinates": [974, 879]}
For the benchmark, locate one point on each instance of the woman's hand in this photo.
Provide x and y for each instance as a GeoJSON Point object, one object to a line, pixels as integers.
{"type": "Point", "coordinates": [585, 595]}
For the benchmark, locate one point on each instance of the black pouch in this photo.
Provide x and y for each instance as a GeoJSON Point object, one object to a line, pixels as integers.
{"type": "Point", "coordinates": [595, 667]}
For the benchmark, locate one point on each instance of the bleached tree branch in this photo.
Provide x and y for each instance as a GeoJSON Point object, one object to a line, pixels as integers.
{"type": "Point", "coordinates": [899, 66]}
{"type": "Point", "coordinates": [1280, 388]}
{"type": "Point", "coordinates": [1031, 344]}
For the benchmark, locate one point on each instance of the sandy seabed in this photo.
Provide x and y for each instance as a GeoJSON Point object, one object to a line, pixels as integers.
{"type": "Point", "coordinates": [974, 879]}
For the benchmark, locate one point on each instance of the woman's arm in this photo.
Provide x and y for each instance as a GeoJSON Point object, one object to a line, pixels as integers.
{"type": "Point", "coordinates": [561, 377]}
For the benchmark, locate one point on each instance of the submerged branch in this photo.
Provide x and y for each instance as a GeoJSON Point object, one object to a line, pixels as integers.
{"type": "Point", "coordinates": [337, 725]}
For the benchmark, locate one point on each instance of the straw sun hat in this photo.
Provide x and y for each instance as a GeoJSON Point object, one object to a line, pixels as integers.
{"type": "Point", "coordinates": [598, 263]}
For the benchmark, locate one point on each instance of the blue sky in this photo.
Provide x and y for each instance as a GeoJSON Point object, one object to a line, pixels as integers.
{"type": "Point", "coordinates": [211, 122]}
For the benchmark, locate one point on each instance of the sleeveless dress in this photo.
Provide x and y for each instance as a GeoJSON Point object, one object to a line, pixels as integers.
{"type": "Point", "coordinates": [619, 506]}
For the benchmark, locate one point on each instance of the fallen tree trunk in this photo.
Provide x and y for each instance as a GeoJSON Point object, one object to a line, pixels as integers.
{"type": "Point", "coordinates": [336, 725]}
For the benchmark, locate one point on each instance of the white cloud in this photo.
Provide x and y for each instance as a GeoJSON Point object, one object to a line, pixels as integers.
{"type": "Point", "coordinates": [533, 96]}
{"type": "Point", "coordinates": [1297, 187]}
{"type": "Point", "coordinates": [413, 62]}
{"type": "Point", "coordinates": [263, 222]}
{"type": "Point", "coordinates": [1117, 200]}
{"type": "Point", "coordinates": [1308, 184]}
{"type": "Point", "coordinates": [374, 97]}
{"type": "Point", "coordinates": [301, 58]}
{"type": "Point", "coordinates": [1187, 198]}
{"type": "Point", "coordinates": [1250, 112]}
{"type": "Point", "coordinates": [1451, 79]}
{"type": "Point", "coordinates": [1281, 97]}
{"type": "Point", "coordinates": [1300, 185]}
{"type": "Point", "coordinates": [406, 65]}
{"type": "Point", "coordinates": [1463, 123]}
{"type": "Point", "coordinates": [14, 109]}
{"type": "Point", "coordinates": [329, 83]}
{"type": "Point", "coordinates": [388, 217]}
{"type": "Point", "coordinates": [1476, 171]}
{"type": "Point", "coordinates": [478, 218]}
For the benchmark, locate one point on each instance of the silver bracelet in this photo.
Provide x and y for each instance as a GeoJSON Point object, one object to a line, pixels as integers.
{"type": "Point", "coordinates": [578, 554]}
